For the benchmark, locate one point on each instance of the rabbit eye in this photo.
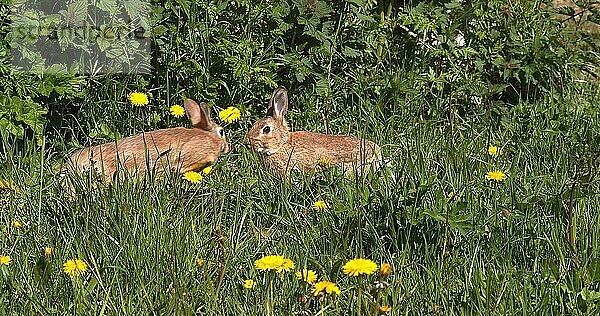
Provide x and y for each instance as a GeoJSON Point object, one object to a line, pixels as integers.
{"type": "Point", "coordinates": [266, 129]}
{"type": "Point", "coordinates": [221, 132]}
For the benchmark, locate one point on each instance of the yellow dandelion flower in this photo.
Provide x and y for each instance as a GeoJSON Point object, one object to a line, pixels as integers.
{"type": "Point", "coordinates": [268, 263]}
{"type": "Point", "coordinates": [249, 284]}
{"type": "Point", "coordinates": [5, 260]}
{"type": "Point", "coordinates": [493, 150]}
{"type": "Point", "coordinates": [75, 267]}
{"type": "Point", "coordinates": [277, 263]}
{"type": "Point", "coordinates": [324, 161]}
{"type": "Point", "coordinates": [8, 185]}
{"type": "Point", "coordinates": [192, 176]}
{"type": "Point", "coordinates": [325, 286]}
{"type": "Point", "coordinates": [385, 308]}
{"type": "Point", "coordinates": [308, 276]}
{"type": "Point", "coordinates": [177, 110]}
{"type": "Point", "coordinates": [287, 265]}
{"type": "Point", "coordinates": [230, 114]}
{"type": "Point", "coordinates": [385, 269]}
{"type": "Point", "coordinates": [16, 224]}
{"type": "Point", "coordinates": [48, 251]}
{"type": "Point", "coordinates": [207, 170]}
{"type": "Point", "coordinates": [496, 175]}
{"type": "Point", "coordinates": [320, 205]}
{"type": "Point", "coordinates": [359, 266]}
{"type": "Point", "coordinates": [138, 98]}
{"type": "Point", "coordinates": [199, 262]}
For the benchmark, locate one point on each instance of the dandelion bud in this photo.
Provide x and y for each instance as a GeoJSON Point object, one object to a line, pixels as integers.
{"type": "Point", "coordinates": [385, 270]}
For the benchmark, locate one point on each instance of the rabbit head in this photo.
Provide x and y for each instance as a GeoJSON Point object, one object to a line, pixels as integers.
{"type": "Point", "coordinates": [270, 133]}
{"type": "Point", "coordinates": [199, 115]}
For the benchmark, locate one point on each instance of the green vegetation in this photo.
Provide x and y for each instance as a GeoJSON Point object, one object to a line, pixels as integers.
{"type": "Point", "coordinates": [435, 83]}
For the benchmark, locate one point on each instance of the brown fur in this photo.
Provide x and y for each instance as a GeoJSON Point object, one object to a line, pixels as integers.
{"type": "Point", "coordinates": [283, 151]}
{"type": "Point", "coordinates": [176, 149]}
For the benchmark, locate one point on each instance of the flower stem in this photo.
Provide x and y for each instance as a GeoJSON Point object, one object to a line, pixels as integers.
{"type": "Point", "coordinates": [270, 293]}
{"type": "Point", "coordinates": [377, 302]}
{"type": "Point", "coordinates": [359, 298]}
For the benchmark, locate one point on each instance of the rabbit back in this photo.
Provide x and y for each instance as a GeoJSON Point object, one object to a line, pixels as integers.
{"type": "Point", "coordinates": [179, 148]}
{"type": "Point", "coordinates": [304, 149]}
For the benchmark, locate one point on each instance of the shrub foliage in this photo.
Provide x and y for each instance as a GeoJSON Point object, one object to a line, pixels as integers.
{"type": "Point", "coordinates": [478, 56]}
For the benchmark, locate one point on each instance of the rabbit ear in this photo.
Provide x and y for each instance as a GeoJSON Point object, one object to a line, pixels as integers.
{"type": "Point", "coordinates": [198, 114]}
{"type": "Point", "coordinates": [278, 104]}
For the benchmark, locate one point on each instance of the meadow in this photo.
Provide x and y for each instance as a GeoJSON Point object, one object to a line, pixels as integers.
{"type": "Point", "coordinates": [450, 90]}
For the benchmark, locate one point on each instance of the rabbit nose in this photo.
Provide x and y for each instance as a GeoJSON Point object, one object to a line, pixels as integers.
{"type": "Point", "coordinates": [247, 142]}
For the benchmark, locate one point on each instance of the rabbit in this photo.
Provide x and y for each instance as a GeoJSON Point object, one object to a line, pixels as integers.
{"type": "Point", "coordinates": [283, 151]}
{"type": "Point", "coordinates": [178, 149]}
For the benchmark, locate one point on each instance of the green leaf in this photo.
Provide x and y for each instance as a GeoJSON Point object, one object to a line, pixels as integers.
{"type": "Point", "coordinates": [350, 52]}
{"type": "Point", "coordinates": [109, 6]}
{"type": "Point", "coordinates": [9, 126]}
{"type": "Point", "coordinates": [76, 12]}
{"type": "Point", "coordinates": [358, 3]}
{"type": "Point", "coordinates": [365, 18]}
{"type": "Point", "coordinates": [134, 8]}
{"type": "Point", "coordinates": [103, 43]}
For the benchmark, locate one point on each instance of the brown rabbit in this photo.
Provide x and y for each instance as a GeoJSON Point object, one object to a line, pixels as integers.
{"type": "Point", "coordinates": [283, 151]}
{"type": "Point", "coordinates": [181, 149]}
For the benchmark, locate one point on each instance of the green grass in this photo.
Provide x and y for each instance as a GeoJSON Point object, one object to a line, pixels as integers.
{"type": "Point", "coordinates": [493, 248]}
{"type": "Point", "coordinates": [459, 244]}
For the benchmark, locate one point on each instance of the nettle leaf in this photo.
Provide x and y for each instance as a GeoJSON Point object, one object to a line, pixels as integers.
{"type": "Point", "coordinates": [109, 6]}
{"type": "Point", "coordinates": [76, 12]}
{"type": "Point", "coordinates": [322, 9]}
{"type": "Point", "coordinates": [350, 52]}
{"type": "Point", "coordinates": [221, 5]}
{"type": "Point", "coordinates": [103, 44]}
{"type": "Point", "coordinates": [51, 20]}
{"type": "Point", "coordinates": [33, 117]}
{"type": "Point", "coordinates": [365, 18]}
{"type": "Point", "coordinates": [281, 10]}
{"type": "Point", "coordinates": [15, 110]}
{"type": "Point", "coordinates": [322, 86]}
{"type": "Point", "coordinates": [9, 126]}
{"type": "Point", "coordinates": [498, 61]}
{"type": "Point", "coordinates": [453, 5]}
{"type": "Point", "coordinates": [134, 8]}
{"type": "Point", "coordinates": [65, 38]}
{"type": "Point", "coordinates": [358, 3]}
{"type": "Point", "coordinates": [114, 52]}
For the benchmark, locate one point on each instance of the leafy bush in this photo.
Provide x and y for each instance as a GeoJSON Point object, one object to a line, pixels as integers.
{"type": "Point", "coordinates": [25, 98]}
{"type": "Point", "coordinates": [475, 57]}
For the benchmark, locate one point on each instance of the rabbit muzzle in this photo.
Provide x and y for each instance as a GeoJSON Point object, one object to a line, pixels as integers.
{"type": "Point", "coordinates": [225, 148]}
{"type": "Point", "coordinates": [253, 143]}
{"type": "Point", "coordinates": [257, 146]}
